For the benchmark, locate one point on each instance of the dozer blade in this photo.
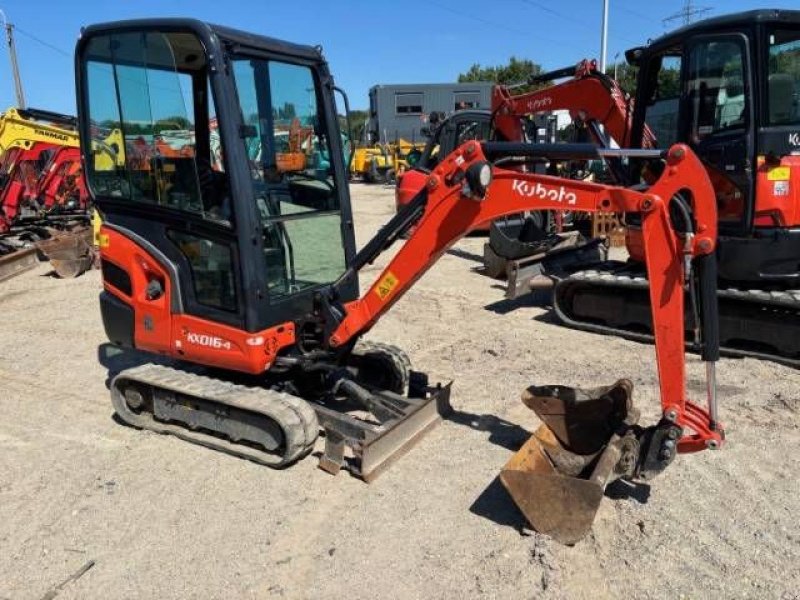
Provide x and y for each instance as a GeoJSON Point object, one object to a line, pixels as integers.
{"type": "Point", "coordinates": [558, 477]}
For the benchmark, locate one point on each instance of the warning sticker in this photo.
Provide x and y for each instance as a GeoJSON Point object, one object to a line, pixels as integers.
{"type": "Point", "coordinates": [386, 285]}
{"type": "Point", "coordinates": [780, 188]}
{"type": "Point", "coordinates": [778, 174]}
{"type": "Point", "coordinates": [103, 240]}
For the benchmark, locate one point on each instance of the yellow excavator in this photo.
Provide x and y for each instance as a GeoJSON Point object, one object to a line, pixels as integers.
{"type": "Point", "coordinates": [383, 162]}
{"type": "Point", "coordinates": [38, 155]}
{"type": "Point", "coordinates": [22, 128]}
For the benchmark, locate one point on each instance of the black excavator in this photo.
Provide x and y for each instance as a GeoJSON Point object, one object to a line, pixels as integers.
{"type": "Point", "coordinates": [728, 87]}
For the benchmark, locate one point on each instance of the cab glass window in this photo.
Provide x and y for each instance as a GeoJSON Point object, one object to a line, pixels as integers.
{"type": "Point", "coordinates": [211, 263]}
{"type": "Point", "coordinates": [291, 159]}
{"type": "Point", "coordinates": [661, 114]}
{"type": "Point", "coordinates": [472, 130]}
{"type": "Point", "coordinates": [152, 124]}
{"type": "Point", "coordinates": [783, 77]}
{"type": "Point", "coordinates": [716, 88]}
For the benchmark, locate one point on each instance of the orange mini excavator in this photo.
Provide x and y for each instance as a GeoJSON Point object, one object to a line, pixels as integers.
{"type": "Point", "coordinates": [241, 267]}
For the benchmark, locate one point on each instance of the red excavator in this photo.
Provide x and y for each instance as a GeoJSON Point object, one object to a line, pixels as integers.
{"type": "Point", "coordinates": [727, 87]}
{"type": "Point", "coordinates": [250, 274]}
{"type": "Point", "coordinates": [44, 180]}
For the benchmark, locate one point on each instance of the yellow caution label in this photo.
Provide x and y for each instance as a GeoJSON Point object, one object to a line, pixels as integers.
{"type": "Point", "coordinates": [386, 285]}
{"type": "Point", "coordinates": [103, 240]}
{"type": "Point", "coordinates": [779, 174]}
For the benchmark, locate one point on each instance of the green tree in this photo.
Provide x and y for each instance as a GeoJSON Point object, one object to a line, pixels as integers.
{"type": "Point", "coordinates": [626, 76]}
{"type": "Point", "coordinates": [285, 113]}
{"type": "Point", "coordinates": [669, 79]}
{"type": "Point", "coordinates": [172, 123]}
{"type": "Point", "coordinates": [516, 71]}
{"type": "Point", "coordinates": [358, 120]}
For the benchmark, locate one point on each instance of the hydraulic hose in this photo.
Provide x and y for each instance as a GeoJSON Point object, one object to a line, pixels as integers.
{"type": "Point", "coordinates": [709, 309]}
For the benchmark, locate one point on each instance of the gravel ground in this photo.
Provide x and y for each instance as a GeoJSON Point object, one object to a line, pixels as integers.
{"type": "Point", "coordinates": [164, 519]}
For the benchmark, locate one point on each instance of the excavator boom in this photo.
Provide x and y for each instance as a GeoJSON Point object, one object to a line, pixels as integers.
{"type": "Point", "coordinates": [595, 429]}
{"type": "Point", "coordinates": [591, 97]}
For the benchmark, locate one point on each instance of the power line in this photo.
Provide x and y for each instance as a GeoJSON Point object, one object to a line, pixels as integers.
{"type": "Point", "coordinates": [43, 43]}
{"type": "Point", "coordinates": [547, 9]}
{"type": "Point", "coordinates": [688, 13]}
{"type": "Point", "coordinates": [638, 15]}
{"type": "Point", "coordinates": [570, 19]}
{"type": "Point", "coordinates": [527, 34]}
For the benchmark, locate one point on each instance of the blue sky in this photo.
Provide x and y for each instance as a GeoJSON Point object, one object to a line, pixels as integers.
{"type": "Point", "coordinates": [366, 42]}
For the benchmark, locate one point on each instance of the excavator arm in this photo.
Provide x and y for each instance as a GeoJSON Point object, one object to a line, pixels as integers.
{"type": "Point", "coordinates": [596, 429]}
{"type": "Point", "coordinates": [455, 203]}
{"type": "Point", "coordinates": [590, 96]}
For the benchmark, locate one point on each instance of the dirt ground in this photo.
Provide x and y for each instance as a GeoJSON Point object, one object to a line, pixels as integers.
{"type": "Point", "coordinates": [164, 519]}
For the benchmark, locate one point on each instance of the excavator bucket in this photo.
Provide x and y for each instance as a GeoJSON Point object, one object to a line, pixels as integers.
{"type": "Point", "coordinates": [558, 477]}
{"type": "Point", "coordinates": [70, 252]}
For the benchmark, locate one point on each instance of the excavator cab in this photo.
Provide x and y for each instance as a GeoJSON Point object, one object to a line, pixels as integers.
{"type": "Point", "coordinates": [727, 87]}
{"type": "Point", "coordinates": [217, 126]}
{"type": "Point", "coordinates": [222, 234]}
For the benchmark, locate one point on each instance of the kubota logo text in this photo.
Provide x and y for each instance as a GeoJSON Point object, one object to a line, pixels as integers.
{"type": "Point", "coordinates": [210, 341]}
{"type": "Point", "coordinates": [529, 190]}
{"type": "Point", "coordinates": [539, 104]}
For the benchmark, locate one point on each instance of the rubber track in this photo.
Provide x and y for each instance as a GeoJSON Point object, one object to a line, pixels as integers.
{"type": "Point", "coordinates": [296, 417]}
{"type": "Point", "coordinates": [786, 300]}
{"type": "Point", "coordinates": [400, 360]}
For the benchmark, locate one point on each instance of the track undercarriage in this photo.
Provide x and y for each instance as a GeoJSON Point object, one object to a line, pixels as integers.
{"type": "Point", "coordinates": [612, 298]}
{"type": "Point", "coordinates": [371, 409]}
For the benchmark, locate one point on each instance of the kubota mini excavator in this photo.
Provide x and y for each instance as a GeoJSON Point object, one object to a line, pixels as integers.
{"type": "Point", "coordinates": [247, 268]}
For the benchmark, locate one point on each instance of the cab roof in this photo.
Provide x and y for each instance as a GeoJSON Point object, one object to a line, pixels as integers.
{"type": "Point", "coordinates": [731, 21]}
{"type": "Point", "coordinates": [212, 36]}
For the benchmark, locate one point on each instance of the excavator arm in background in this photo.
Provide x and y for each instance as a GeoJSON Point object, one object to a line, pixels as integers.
{"type": "Point", "coordinates": [25, 127]}
{"type": "Point", "coordinates": [591, 97]}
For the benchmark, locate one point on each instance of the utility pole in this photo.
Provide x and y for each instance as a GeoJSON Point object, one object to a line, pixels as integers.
{"type": "Point", "coordinates": [604, 38]}
{"type": "Point", "coordinates": [12, 52]}
{"type": "Point", "coordinates": [687, 14]}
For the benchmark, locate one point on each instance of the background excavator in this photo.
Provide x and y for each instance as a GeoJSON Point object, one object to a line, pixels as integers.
{"type": "Point", "coordinates": [729, 88]}
{"type": "Point", "coordinates": [249, 272]}
{"type": "Point", "coordinates": [44, 205]}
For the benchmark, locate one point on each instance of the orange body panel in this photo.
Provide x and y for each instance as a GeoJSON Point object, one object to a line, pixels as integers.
{"type": "Point", "coordinates": [157, 329]}
{"type": "Point", "coordinates": [778, 193]}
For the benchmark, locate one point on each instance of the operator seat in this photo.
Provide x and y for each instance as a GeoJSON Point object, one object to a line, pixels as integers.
{"type": "Point", "coordinates": [781, 98]}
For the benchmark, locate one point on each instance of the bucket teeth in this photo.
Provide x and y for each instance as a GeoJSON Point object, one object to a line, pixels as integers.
{"type": "Point", "coordinates": [558, 477]}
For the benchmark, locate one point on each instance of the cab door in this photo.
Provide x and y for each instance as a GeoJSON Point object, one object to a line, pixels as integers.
{"type": "Point", "coordinates": [170, 245]}
{"type": "Point", "coordinates": [718, 123]}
